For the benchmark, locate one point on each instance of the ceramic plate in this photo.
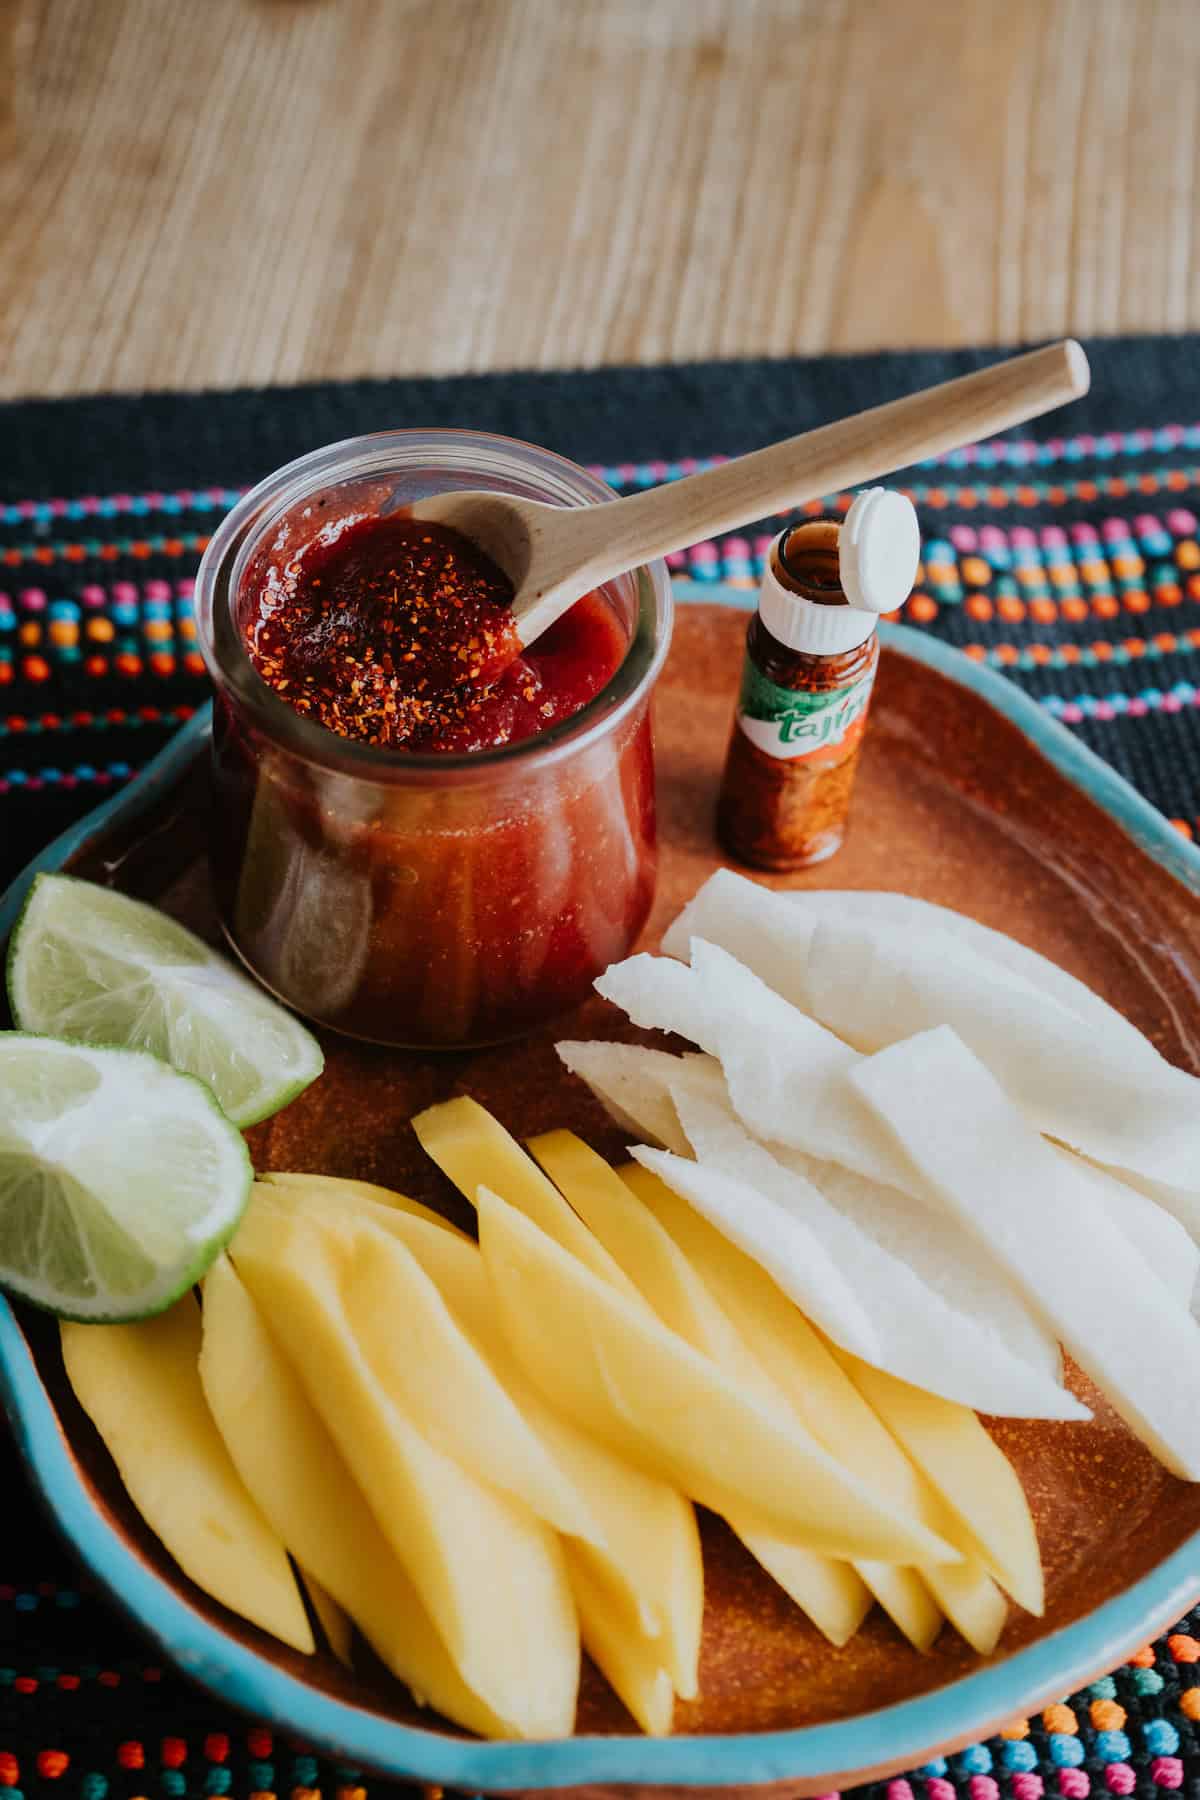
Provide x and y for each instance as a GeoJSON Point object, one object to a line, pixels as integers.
{"type": "Point", "coordinates": [968, 795]}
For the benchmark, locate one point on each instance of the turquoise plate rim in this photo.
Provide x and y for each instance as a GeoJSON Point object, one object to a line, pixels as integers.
{"type": "Point", "coordinates": [907, 1733]}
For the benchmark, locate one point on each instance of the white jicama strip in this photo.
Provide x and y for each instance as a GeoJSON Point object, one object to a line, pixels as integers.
{"type": "Point", "coordinates": [925, 919]}
{"type": "Point", "coordinates": [757, 926]}
{"type": "Point", "coordinates": [785, 1072]}
{"type": "Point", "coordinates": [770, 932]}
{"type": "Point", "coordinates": [1153, 1233]}
{"type": "Point", "coordinates": [791, 1253]}
{"type": "Point", "coordinates": [986, 1164]}
{"type": "Point", "coordinates": [875, 985]}
{"type": "Point", "coordinates": [1158, 1236]}
{"type": "Point", "coordinates": [632, 1084]}
{"type": "Point", "coordinates": [920, 1338]}
{"type": "Point", "coordinates": [939, 1252]}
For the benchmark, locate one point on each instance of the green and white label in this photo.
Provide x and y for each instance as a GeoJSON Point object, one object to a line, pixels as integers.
{"type": "Point", "coordinates": [788, 723]}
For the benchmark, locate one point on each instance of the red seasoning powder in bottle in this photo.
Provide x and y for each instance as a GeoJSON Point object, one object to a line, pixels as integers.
{"type": "Point", "coordinates": [811, 654]}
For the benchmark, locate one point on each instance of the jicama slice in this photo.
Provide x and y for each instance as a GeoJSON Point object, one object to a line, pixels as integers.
{"type": "Point", "coordinates": [631, 1082]}
{"type": "Point", "coordinates": [753, 924]}
{"type": "Point", "coordinates": [779, 1241]}
{"type": "Point", "coordinates": [474, 1150]}
{"type": "Point", "coordinates": [925, 919]}
{"type": "Point", "coordinates": [986, 1164]}
{"type": "Point", "coordinates": [827, 1590]}
{"type": "Point", "coordinates": [953, 1449]}
{"type": "Point", "coordinates": [433, 1372]}
{"type": "Point", "coordinates": [770, 933]}
{"type": "Point", "coordinates": [918, 1335]}
{"type": "Point", "coordinates": [1154, 1234]}
{"type": "Point", "coordinates": [650, 1560]}
{"type": "Point", "coordinates": [804, 1368]}
{"type": "Point", "coordinates": [638, 1098]}
{"type": "Point", "coordinates": [289, 1462]}
{"type": "Point", "coordinates": [140, 1386]}
{"type": "Point", "coordinates": [639, 1387]}
{"type": "Point", "coordinates": [785, 1072]}
{"type": "Point", "coordinates": [875, 985]}
{"type": "Point", "coordinates": [337, 1188]}
{"type": "Point", "coordinates": [940, 1253]}
{"type": "Point", "coordinates": [490, 1575]}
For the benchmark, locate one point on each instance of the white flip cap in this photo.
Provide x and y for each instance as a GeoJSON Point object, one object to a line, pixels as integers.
{"type": "Point", "coordinates": [879, 548]}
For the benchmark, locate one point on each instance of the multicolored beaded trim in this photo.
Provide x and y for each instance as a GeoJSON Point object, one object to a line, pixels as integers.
{"type": "Point", "coordinates": [127, 630]}
{"type": "Point", "coordinates": [1111, 1739]}
{"type": "Point", "coordinates": [1053, 582]}
{"type": "Point", "coordinates": [997, 453]}
{"type": "Point", "coordinates": [1042, 575]}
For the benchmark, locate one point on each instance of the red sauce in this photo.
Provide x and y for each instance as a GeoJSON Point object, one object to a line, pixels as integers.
{"type": "Point", "coordinates": [399, 633]}
{"type": "Point", "coordinates": [431, 905]}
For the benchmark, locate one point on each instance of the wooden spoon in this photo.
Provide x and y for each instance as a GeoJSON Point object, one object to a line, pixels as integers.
{"type": "Point", "coordinates": [553, 555]}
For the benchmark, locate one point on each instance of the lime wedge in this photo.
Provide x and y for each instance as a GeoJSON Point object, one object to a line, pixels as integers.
{"type": "Point", "coordinates": [120, 1179]}
{"type": "Point", "coordinates": [95, 966]}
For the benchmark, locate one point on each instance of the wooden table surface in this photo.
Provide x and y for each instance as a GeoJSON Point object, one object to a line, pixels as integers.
{"type": "Point", "coordinates": [217, 192]}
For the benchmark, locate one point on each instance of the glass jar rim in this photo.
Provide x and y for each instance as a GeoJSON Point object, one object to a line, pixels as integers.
{"type": "Point", "coordinates": [378, 453]}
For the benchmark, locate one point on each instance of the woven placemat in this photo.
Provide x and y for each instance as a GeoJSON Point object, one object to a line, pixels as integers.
{"type": "Point", "coordinates": [1072, 563]}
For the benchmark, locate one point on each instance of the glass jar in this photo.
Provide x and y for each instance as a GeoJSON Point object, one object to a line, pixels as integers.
{"type": "Point", "coordinates": [427, 901]}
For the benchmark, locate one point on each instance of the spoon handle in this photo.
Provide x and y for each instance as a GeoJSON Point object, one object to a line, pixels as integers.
{"type": "Point", "coordinates": [828, 460]}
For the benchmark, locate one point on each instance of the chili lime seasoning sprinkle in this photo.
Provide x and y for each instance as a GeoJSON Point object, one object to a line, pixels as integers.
{"type": "Point", "coordinates": [811, 656]}
{"type": "Point", "coordinates": [395, 633]}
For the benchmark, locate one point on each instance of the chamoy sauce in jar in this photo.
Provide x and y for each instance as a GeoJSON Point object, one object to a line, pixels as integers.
{"type": "Point", "coordinates": [423, 834]}
{"type": "Point", "coordinates": [811, 656]}
{"type": "Point", "coordinates": [400, 633]}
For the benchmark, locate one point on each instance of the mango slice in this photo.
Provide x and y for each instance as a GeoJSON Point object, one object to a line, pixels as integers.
{"type": "Point", "coordinates": [806, 1369]}
{"type": "Point", "coordinates": [337, 1625]}
{"type": "Point", "coordinates": [284, 1454]}
{"type": "Point", "coordinates": [440, 1381]}
{"type": "Point", "coordinates": [488, 1572]}
{"type": "Point", "coordinates": [339, 1188]}
{"type": "Point", "coordinates": [140, 1386]}
{"type": "Point", "coordinates": [630, 1661]}
{"type": "Point", "coordinates": [970, 1472]}
{"type": "Point", "coordinates": [640, 1388]}
{"type": "Point", "coordinates": [828, 1591]}
{"type": "Point", "coordinates": [650, 1563]}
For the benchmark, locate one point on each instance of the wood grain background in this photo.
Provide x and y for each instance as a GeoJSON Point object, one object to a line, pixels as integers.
{"type": "Point", "coordinates": [216, 192]}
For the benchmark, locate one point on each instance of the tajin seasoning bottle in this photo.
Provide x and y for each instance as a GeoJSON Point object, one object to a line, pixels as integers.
{"type": "Point", "coordinates": [811, 654]}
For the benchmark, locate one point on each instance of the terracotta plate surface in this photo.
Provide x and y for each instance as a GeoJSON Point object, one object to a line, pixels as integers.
{"type": "Point", "coordinates": [956, 804]}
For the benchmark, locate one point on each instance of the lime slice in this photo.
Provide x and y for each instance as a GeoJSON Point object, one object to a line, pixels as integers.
{"type": "Point", "coordinates": [120, 1179]}
{"type": "Point", "coordinates": [95, 966]}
